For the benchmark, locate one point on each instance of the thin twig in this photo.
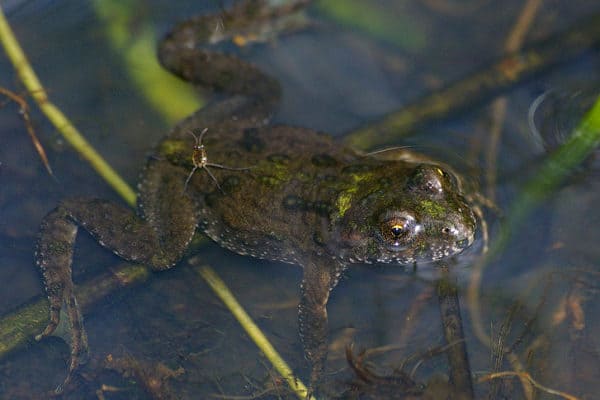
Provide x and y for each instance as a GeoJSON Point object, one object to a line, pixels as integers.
{"type": "Point", "coordinates": [526, 376]}
{"type": "Point", "coordinates": [24, 112]}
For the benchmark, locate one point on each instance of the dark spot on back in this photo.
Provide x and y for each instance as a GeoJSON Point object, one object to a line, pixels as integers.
{"type": "Point", "coordinates": [230, 182]}
{"type": "Point", "coordinates": [356, 168]}
{"type": "Point", "coordinates": [327, 178]}
{"type": "Point", "coordinates": [323, 160]}
{"type": "Point", "coordinates": [251, 142]}
{"type": "Point", "coordinates": [292, 202]}
{"type": "Point", "coordinates": [318, 239]}
{"type": "Point", "coordinates": [384, 182]}
{"type": "Point", "coordinates": [322, 208]}
{"type": "Point", "coordinates": [212, 199]}
{"type": "Point", "coordinates": [233, 155]}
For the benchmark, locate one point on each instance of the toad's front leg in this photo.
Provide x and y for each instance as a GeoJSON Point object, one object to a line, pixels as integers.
{"type": "Point", "coordinates": [320, 277]}
{"type": "Point", "coordinates": [158, 241]}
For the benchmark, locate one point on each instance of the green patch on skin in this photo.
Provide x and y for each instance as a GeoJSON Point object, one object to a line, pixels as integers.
{"type": "Point", "coordinates": [174, 147]}
{"type": "Point", "coordinates": [358, 177]}
{"type": "Point", "coordinates": [431, 208]}
{"type": "Point", "coordinates": [344, 198]}
{"type": "Point", "coordinates": [280, 172]}
{"type": "Point", "coordinates": [272, 173]}
{"type": "Point", "coordinates": [343, 202]}
{"type": "Point", "coordinates": [270, 181]}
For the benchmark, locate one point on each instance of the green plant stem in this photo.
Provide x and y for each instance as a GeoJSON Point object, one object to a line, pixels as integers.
{"type": "Point", "coordinates": [219, 287]}
{"type": "Point", "coordinates": [170, 96]}
{"type": "Point", "coordinates": [398, 29]}
{"type": "Point", "coordinates": [54, 114]}
{"type": "Point", "coordinates": [584, 139]}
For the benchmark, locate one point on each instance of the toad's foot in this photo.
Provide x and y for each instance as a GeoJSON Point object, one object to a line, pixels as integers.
{"type": "Point", "coordinates": [56, 248]}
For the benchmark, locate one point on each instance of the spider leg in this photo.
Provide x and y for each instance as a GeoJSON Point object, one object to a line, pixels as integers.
{"type": "Point", "coordinates": [226, 167]}
{"type": "Point", "coordinates": [202, 135]}
{"type": "Point", "coordinates": [189, 177]}
{"type": "Point", "coordinates": [213, 177]}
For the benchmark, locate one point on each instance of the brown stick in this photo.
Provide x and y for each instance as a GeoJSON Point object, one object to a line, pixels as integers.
{"type": "Point", "coordinates": [460, 371]}
{"type": "Point", "coordinates": [25, 114]}
{"type": "Point", "coordinates": [480, 86]}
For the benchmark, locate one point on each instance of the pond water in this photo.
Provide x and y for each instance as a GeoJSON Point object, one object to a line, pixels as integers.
{"type": "Point", "coordinates": [351, 64]}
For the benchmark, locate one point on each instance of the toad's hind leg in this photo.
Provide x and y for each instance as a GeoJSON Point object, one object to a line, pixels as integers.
{"type": "Point", "coordinates": [159, 242]}
{"type": "Point", "coordinates": [54, 254]}
{"type": "Point", "coordinates": [320, 277]}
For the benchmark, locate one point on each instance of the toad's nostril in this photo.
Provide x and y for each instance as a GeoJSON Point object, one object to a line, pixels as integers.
{"type": "Point", "coordinates": [462, 244]}
{"type": "Point", "coordinates": [452, 230]}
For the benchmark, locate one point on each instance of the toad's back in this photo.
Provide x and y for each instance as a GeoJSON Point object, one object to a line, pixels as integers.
{"type": "Point", "coordinates": [273, 191]}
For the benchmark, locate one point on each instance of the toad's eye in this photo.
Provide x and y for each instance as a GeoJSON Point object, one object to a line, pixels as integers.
{"type": "Point", "coordinates": [397, 228]}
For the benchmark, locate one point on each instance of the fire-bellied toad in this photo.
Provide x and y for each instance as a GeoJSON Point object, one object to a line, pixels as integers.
{"type": "Point", "coordinates": [274, 192]}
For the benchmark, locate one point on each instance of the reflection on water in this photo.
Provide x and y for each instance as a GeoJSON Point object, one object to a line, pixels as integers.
{"type": "Point", "coordinates": [537, 297]}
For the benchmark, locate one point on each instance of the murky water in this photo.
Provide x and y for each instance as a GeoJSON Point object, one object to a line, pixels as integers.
{"type": "Point", "coordinates": [538, 296]}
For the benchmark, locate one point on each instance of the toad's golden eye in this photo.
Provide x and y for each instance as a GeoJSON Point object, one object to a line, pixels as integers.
{"type": "Point", "coordinates": [397, 228]}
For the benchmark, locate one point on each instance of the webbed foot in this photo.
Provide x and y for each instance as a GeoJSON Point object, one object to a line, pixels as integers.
{"type": "Point", "coordinates": [74, 334]}
{"type": "Point", "coordinates": [54, 254]}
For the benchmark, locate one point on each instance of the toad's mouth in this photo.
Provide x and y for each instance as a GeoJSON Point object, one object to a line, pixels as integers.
{"type": "Point", "coordinates": [462, 244]}
{"type": "Point", "coordinates": [398, 247]}
{"type": "Point", "coordinates": [407, 253]}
